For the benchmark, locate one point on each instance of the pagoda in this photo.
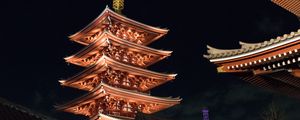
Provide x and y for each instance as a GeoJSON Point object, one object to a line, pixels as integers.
{"type": "Point", "coordinates": [115, 58]}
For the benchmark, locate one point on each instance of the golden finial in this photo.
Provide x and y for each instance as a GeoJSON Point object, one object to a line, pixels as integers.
{"type": "Point", "coordinates": [118, 5]}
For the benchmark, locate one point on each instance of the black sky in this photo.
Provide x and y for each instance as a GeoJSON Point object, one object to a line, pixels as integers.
{"type": "Point", "coordinates": [34, 41]}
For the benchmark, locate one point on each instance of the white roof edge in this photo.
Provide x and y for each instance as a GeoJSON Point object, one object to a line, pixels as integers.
{"type": "Point", "coordinates": [256, 51]}
{"type": "Point", "coordinates": [107, 117]}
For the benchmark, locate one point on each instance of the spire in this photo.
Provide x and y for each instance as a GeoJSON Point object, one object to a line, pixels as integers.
{"type": "Point", "coordinates": [118, 6]}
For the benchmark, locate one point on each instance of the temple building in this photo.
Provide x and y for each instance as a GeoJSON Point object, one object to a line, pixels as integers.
{"type": "Point", "coordinates": [271, 64]}
{"type": "Point", "coordinates": [115, 58]}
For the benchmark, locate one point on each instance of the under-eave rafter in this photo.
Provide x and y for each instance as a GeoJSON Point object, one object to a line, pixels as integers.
{"type": "Point", "coordinates": [292, 6]}
{"type": "Point", "coordinates": [105, 21]}
{"type": "Point", "coordinates": [93, 75]}
{"type": "Point", "coordinates": [127, 52]}
{"type": "Point", "coordinates": [273, 84]}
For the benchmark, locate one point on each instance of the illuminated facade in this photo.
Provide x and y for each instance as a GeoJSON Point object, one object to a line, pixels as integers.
{"type": "Point", "coordinates": [272, 64]}
{"type": "Point", "coordinates": [115, 58]}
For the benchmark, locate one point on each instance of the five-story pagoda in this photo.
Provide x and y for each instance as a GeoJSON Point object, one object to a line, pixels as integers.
{"type": "Point", "coordinates": [115, 58]}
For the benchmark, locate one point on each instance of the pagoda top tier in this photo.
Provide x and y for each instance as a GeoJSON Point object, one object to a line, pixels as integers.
{"type": "Point", "coordinates": [250, 50]}
{"type": "Point", "coordinates": [117, 101]}
{"type": "Point", "coordinates": [122, 50]}
{"type": "Point", "coordinates": [119, 25]}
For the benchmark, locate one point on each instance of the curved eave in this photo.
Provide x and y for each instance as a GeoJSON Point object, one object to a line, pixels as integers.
{"type": "Point", "coordinates": [81, 100]}
{"type": "Point", "coordinates": [91, 25]}
{"type": "Point", "coordinates": [139, 96]}
{"type": "Point", "coordinates": [136, 23]}
{"type": "Point", "coordinates": [136, 70]}
{"type": "Point", "coordinates": [107, 12]}
{"type": "Point", "coordinates": [137, 46]}
{"type": "Point", "coordinates": [105, 61]}
{"type": "Point", "coordinates": [257, 51]}
{"type": "Point", "coordinates": [85, 50]}
{"type": "Point", "coordinates": [118, 92]}
{"type": "Point", "coordinates": [107, 117]}
{"type": "Point", "coordinates": [101, 41]}
{"type": "Point", "coordinates": [84, 73]}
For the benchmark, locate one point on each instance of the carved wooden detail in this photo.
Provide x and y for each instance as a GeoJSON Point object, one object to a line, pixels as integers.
{"type": "Point", "coordinates": [120, 79]}
{"type": "Point", "coordinates": [121, 54]}
{"type": "Point", "coordinates": [92, 59]}
{"type": "Point", "coordinates": [127, 33]}
{"type": "Point", "coordinates": [129, 81]}
{"type": "Point", "coordinates": [111, 106]}
{"type": "Point", "coordinates": [96, 32]}
{"type": "Point", "coordinates": [128, 56]}
{"type": "Point", "coordinates": [87, 109]}
{"type": "Point", "coordinates": [120, 30]}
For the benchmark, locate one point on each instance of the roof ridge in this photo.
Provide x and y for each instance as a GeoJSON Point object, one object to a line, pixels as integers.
{"type": "Point", "coordinates": [214, 53]}
{"type": "Point", "coordinates": [24, 109]}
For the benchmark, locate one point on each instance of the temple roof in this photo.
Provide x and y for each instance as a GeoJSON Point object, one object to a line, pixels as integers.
{"type": "Point", "coordinates": [247, 49]}
{"type": "Point", "coordinates": [103, 89]}
{"type": "Point", "coordinates": [107, 38]}
{"type": "Point", "coordinates": [105, 62]}
{"type": "Point", "coordinates": [290, 5]}
{"type": "Point", "coordinates": [11, 111]}
{"type": "Point", "coordinates": [107, 15]}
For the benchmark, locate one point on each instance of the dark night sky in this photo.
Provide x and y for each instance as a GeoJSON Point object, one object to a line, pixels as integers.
{"type": "Point", "coordinates": [34, 41]}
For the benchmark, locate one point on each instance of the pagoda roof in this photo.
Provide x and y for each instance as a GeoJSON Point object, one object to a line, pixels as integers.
{"type": "Point", "coordinates": [103, 89]}
{"type": "Point", "coordinates": [105, 62]}
{"type": "Point", "coordinates": [109, 14]}
{"type": "Point", "coordinates": [290, 5]}
{"type": "Point", "coordinates": [248, 49]}
{"type": "Point", "coordinates": [107, 38]}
